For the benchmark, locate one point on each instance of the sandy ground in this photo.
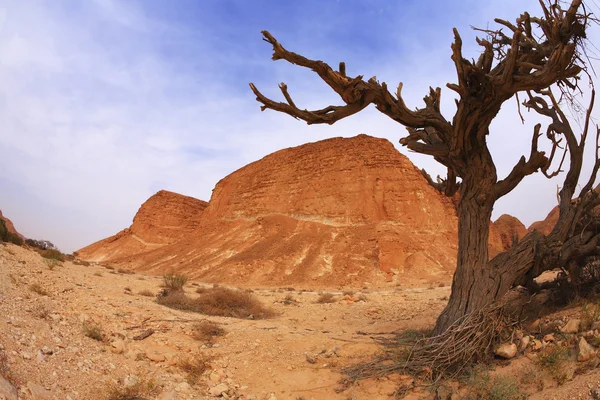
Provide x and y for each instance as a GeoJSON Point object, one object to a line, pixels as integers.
{"type": "Point", "coordinates": [298, 354]}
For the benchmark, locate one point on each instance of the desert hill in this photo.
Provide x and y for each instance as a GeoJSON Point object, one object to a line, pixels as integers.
{"type": "Point", "coordinates": [509, 229]}
{"type": "Point", "coordinates": [10, 227]}
{"type": "Point", "coordinates": [546, 225]}
{"type": "Point", "coordinates": [163, 219]}
{"type": "Point", "coordinates": [341, 211]}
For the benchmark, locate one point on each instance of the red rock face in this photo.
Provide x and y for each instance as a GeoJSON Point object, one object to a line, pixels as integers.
{"type": "Point", "coordinates": [509, 229]}
{"type": "Point", "coordinates": [163, 219]}
{"type": "Point", "coordinates": [336, 212]}
{"type": "Point", "coordinates": [10, 226]}
{"type": "Point", "coordinates": [547, 224]}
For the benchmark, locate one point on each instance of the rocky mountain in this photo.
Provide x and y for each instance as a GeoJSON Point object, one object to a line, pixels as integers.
{"type": "Point", "coordinates": [163, 219]}
{"type": "Point", "coordinates": [509, 229]}
{"type": "Point", "coordinates": [546, 225]}
{"type": "Point", "coordinates": [10, 226]}
{"type": "Point", "coordinates": [341, 211]}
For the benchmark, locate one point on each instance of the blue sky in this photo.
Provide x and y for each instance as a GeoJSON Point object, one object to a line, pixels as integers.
{"type": "Point", "coordinates": [105, 102]}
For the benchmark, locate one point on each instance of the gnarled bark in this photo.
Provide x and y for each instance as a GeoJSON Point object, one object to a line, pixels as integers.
{"type": "Point", "coordinates": [538, 53]}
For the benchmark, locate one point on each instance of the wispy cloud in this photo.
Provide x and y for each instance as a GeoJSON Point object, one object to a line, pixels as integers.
{"type": "Point", "coordinates": [105, 102]}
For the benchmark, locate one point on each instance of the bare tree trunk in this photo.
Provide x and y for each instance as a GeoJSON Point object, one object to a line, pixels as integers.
{"type": "Point", "coordinates": [470, 278]}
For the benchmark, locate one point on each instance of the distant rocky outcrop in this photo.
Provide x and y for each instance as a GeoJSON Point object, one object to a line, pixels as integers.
{"type": "Point", "coordinates": [341, 211]}
{"type": "Point", "coordinates": [510, 230]}
{"type": "Point", "coordinates": [546, 225]}
{"type": "Point", "coordinates": [10, 227]}
{"type": "Point", "coordinates": [163, 219]}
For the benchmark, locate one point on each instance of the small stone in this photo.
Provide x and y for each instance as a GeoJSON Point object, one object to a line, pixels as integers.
{"type": "Point", "coordinates": [217, 390]}
{"type": "Point", "coordinates": [118, 346]}
{"type": "Point", "coordinates": [524, 342]}
{"type": "Point", "coordinates": [506, 350]}
{"type": "Point", "coordinates": [595, 325]}
{"type": "Point", "coordinates": [536, 345]}
{"type": "Point", "coordinates": [183, 387]}
{"type": "Point", "coordinates": [38, 392]}
{"type": "Point", "coordinates": [548, 338]}
{"type": "Point", "coordinates": [47, 351]}
{"type": "Point", "coordinates": [26, 355]}
{"type": "Point", "coordinates": [586, 351]}
{"type": "Point", "coordinates": [571, 327]}
{"type": "Point", "coordinates": [7, 390]}
{"type": "Point", "coordinates": [215, 377]}
{"type": "Point", "coordinates": [131, 381]}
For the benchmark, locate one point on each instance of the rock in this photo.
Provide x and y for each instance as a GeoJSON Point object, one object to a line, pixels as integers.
{"type": "Point", "coordinates": [183, 387]}
{"type": "Point", "coordinates": [7, 390]}
{"type": "Point", "coordinates": [586, 351]}
{"type": "Point", "coordinates": [118, 346]}
{"type": "Point", "coordinates": [26, 355]}
{"type": "Point", "coordinates": [215, 377]}
{"type": "Point", "coordinates": [167, 395]}
{"type": "Point", "coordinates": [131, 381]}
{"type": "Point", "coordinates": [155, 356]}
{"type": "Point", "coordinates": [510, 229]}
{"type": "Point", "coordinates": [297, 197]}
{"type": "Point", "coordinates": [536, 345]}
{"type": "Point", "coordinates": [572, 326]}
{"type": "Point", "coordinates": [217, 390]}
{"type": "Point", "coordinates": [38, 392]}
{"type": "Point", "coordinates": [524, 342]}
{"type": "Point", "coordinates": [506, 350]}
{"type": "Point", "coordinates": [549, 338]}
{"type": "Point", "coordinates": [47, 351]}
{"type": "Point", "coordinates": [546, 226]}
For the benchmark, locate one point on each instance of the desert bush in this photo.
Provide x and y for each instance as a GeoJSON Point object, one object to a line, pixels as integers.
{"type": "Point", "coordinates": [39, 289]}
{"type": "Point", "coordinates": [590, 313]}
{"type": "Point", "coordinates": [51, 263]}
{"type": "Point", "coordinates": [553, 360]}
{"type": "Point", "coordinates": [206, 331]}
{"type": "Point", "coordinates": [40, 311]}
{"type": "Point", "coordinates": [125, 271]}
{"type": "Point", "coordinates": [52, 254]}
{"type": "Point", "coordinates": [146, 292]}
{"type": "Point", "coordinates": [6, 236]}
{"type": "Point", "coordinates": [326, 298]}
{"type": "Point", "coordinates": [289, 300]}
{"type": "Point", "coordinates": [140, 391]}
{"type": "Point", "coordinates": [218, 301]}
{"type": "Point", "coordinates": [194, 367]}
{"type": "Point", "coordinates": [40, 244]}
{"type": "Point", "coordinates": [93, 332]}
{"type": "Point", "coordinates": [483, 386]}
{"type": "Point", "coordinates": [174, 282]}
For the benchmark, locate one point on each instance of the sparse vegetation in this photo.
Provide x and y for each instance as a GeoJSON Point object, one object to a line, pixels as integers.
{"type": "Point", "coordinates": [218, 301]}
{"type": "Point", "coordinates": [195, 367]}
{"type": "Point", "coordinates": [325, 298]}
{"type": "Point", "coordinates": [93, 332]}
{"type": "Point", "coordinates": [485, 387]}
{"type": "Point", "coordinates": [6, 236]}
{"type": "Point", "coordinates": [146, 292]}
{"type": "Point", "coordinates": [52, 254]}
{"type": "Point", "coordinates": [206, 331]}
{"type": "Point", "coordinates": [590, 313]}
{"type": "Point", "coordinates": [51, 263]}
{"type": "Point", "coordinates": [39, 289]}
{"type": "Point", "coordinates": [174, 282]}
{"type": "Point", "coordinates": [289, 300]}
{"type": "Point", "coordinates": [40, 311]}
{"type": "Point", "coordinates": [140, 391]}
{"type": "Point", "coordinates": [553, 360]}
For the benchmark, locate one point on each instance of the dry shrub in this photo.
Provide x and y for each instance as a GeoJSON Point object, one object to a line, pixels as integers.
{"type": "Point", "coordinates": [125, 271]}
{"type": "Point", "coordinates": [52, 254]}
{"type": "Point", "coordinates": [325, 298]}
{"type": "Point", "coordinates": [289, 300]}
{"type": "Point", "coordinates": [93, 332]}
{"type": "Point", "coordinates": [207, 331]}
{"type": "Point", "coordinates": [483, 386]}
{"type": "Point", "coordinates": [553, 359]}
{"type": "Point", "coordinates": [146, 293]}
{"type": "Point", "coordinates": [40, 311]}
{"type": "Point", "coordinates": [140, 391]}
{"type": "Point", "coordinates": [39, 289]}
{"type": "Point", "coordinates": [174, 282]}
{"type": "Point", "coordinates": [218, 301]}
{"type": "Point", "coordinates": [194, 367]}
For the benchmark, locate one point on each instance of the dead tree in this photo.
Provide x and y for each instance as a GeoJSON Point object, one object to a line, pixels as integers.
{"type": "Point", "coordinates": [529, 56]}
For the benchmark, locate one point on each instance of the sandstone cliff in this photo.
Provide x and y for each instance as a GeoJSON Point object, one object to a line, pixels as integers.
{"type": "Point", "coordinates": [509, 229]}
{"type": "Point", "coordinates": [163, 219]}
{"type": "Point", "coordinates": [342, 211]}
{"type": "Point", "coordinates": [545, 226]}
{"type": "Point", "coordinates": [10, 226]}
